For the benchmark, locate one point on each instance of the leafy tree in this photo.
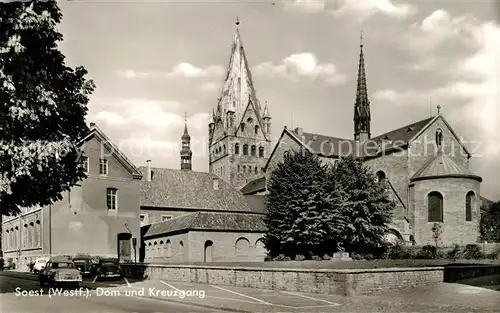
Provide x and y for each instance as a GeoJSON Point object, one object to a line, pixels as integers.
{"type": "Point", "coordinates": [43, 104]}
{"type": "Point", "coordinates": [490, 223]}
{"type": "Point", "coordinates": [295, 222]}
{"type": "Point", "coordinates": [364, 206]}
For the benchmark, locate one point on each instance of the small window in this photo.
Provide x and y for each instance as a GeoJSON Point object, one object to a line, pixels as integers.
{"type": "Point", "coordinates": [112, 198]}
{"type": "Point", "coordinates": [142, 217]}
{"type": "Point", "coordinates": [439, 137]}
{"type": "Point", "coordinates": [286, 153]}
{"type": "Point", "coordinates": [103, 167]}
{"type": "Point", "coordinates": [165, 217]}
{"type": "Point", "coordinates": [435, 207]}
{"type": "Point", "coordinates": [224, 147]}
{"type": "Point", "coordinates": [468, 206]}
{"type": "Point", "coordinates": [249, 120]}
{"type": "Point", "coordinates": [245, 149]}
{"type": "Point", "coordinates": [244, 168]}
{"type": "Point", "coordinates": [254, 150]}
{"type": "Point", "coordinates": [261, 152]}
{"type": "Point", "coordinates": [242, 127]}
{"type": "Point", "coordinates": [85, 164]}
{"type": "Point", "coordinates": [256, 170]}
{"type": "Point", "coordinates": [236, 148]}
{"type": "Point", "coordinates": [256, 129]}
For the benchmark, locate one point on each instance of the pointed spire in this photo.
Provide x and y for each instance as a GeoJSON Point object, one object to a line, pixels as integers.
{"type": "Point", "coordinates": [439, 109]}
{"type": "Point", "coordinates": [212, 118]}
{"type": "Point", "coordinates": [362, 105]}
{"type": "Point", "coordinates": [266, 112]}
{"type": "Point", "coordinates": [186, 153]}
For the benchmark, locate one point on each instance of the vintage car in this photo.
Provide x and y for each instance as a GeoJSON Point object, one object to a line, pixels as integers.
{"type": "Point", "coordinates": [40, 264]}
{"type": "Point", "coordinates": [106, 268]}
{"type": "Point", "coordinates": [60, 270]}
{"type": "Point", "coordinates": [83, 264]}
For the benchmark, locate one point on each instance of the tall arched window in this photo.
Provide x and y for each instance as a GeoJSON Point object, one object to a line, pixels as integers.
{"type": "Point", "coordinates": [261, 152]}
{"type": "Point", "coordinates": [242, 127]}
{"type": "Point", "coordinates": [256, 129]}
{"type": "Point", "coordinates": [224, 149]}
{"type": "Point", "coordinates": [435, 207]}
{"type": "Point", "coordinates": [168, 247]}
{"type": "Point", "coordinates": [469, 197]}
{"type": "Point", "coordinates": [254, 150]}
{"type": "Point", "coordinates": [439, 137]}
{"type": "Point", "coordinates": [381, 177]}
{"type": "Point", "coordinates": [245, 149]}
{"type": "Point", "coordinates": [236, 148]}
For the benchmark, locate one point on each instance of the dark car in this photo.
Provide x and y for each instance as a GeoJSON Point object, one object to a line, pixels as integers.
{"type": "Point", "coordinates": [106, 269]}
{"type": "Point", "coordinates": [9, 264]}
{"type": "Point", "coordinates": [83, 264]}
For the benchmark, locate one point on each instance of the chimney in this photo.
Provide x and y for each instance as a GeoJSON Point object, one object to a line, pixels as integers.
{"type": "Point", "coordinates": [299, 131]}
{"type": "Point", "coordinates": [148, 170]}
{"type": "Point", "coordinates": [92, 124]}
{"type": "Point", "coordinates": [216, 183]}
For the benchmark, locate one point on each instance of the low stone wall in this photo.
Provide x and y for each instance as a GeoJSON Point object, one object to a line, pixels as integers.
{"type": "Point", "coordinates": [346, 282]}
{"type": "Point", "coordinates": [457, 272]}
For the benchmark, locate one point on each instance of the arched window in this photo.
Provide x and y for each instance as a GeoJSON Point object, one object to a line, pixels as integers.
{"type": "Point", "coordinates": [168, 248]}
{"type": "Point", "coordinates": [242, 127]}
{"type": "Point", "coordinates": [155, 253]}
{"type": "Point", "coordinates": [256, 129]}
{"type": "Point", "coordinates": [207, 257]}
{"type": "Point", "coordinates": [381, 177]}
{"type": "Point", "coordinates": [439, 137]}
{"type": "Point", "coordinates": [254, 150]}
{"type": "Point", "coordinates": [245, 149]}
{"type": "Point", "coordinates": [224, 149]}
{"type": "Point", "coordinates": [244, 168]}
{"type": "Point", "coordinates": [256, 170]}
{"type": "Point", "coordinates": [161, 250]}
{"type": "Point", "coordinates": [286, 153]}
{"type": "Point", "coordinates": [261, 152]}
{"type": "Point", "coordinates": [435, 207]}
{"type": "Point", "coordinates": [236, 148]}
{"type": "Point", "coordinates": [469, 197]}
{"type": "Point", "coordinates": [242, 247]}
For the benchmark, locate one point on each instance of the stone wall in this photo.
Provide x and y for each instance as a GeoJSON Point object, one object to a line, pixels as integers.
{"type": "Point", "coordinates": [340, 282]}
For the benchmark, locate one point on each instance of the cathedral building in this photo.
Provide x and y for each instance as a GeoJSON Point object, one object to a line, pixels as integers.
{"type": "Point", "coordinates": [424, 167]}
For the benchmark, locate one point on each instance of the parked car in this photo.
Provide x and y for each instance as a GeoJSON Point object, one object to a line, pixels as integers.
{"type": "Point", "coordinates": [60, 270]}
{"type": "Point", "coordinates": [40, 264]}
{"type": "Point", "coordinates": [106, 269]}
{"type": "Point", "coordinates": [9, 264]}
{"type": "Point", "coordinates": [83, 264]}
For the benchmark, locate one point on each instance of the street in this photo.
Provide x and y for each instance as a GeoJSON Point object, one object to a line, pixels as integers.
{"type": "Point", "coordinates": [12, 302]}
{"type": "Point", "coordinates": [20, 293]}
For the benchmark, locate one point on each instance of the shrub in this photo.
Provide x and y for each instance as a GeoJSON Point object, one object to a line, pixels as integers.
{"type": "Point", "coordinates": [472, 251]}
{"type": "Point", "coordinates": [282, 257]}
{"type": "Point", "coordinates": [427, 252]}
{"type": "Point", "coordinates": [357, 256]}
{"type": "Point", "coordinates": [456, 253]}
{"type": "Point", "coordinates": [398, 252]}
{"type": "Point", "coordinates": [300, 257]}
{"type": "Point", "coordinates": [326, 257]}
{"type": "Point", "coordinates": [267, 258]}
{"type": "Point", "coordinates": [316, 258]}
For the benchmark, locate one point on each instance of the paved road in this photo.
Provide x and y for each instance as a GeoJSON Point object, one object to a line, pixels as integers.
{"type": "Point", "coordinates": [13, 302]}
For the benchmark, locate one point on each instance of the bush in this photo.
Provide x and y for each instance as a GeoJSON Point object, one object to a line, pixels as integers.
{"type": "Point", "coordinates": [472, 251]}
{"type": "Point", "coordinates": [267, 258]}
{"type": "Point", "coordinates": [427, 252]}
{"type": "Point", "coordinates": [456, 253]}
{"type": "Point", "coordinates": [326, 257]}
{"type": "Point", "coordinates": [282, 257]}
{"type": "Point", "coordinates": [398, 252]}
{"type": "Point", "coordinates": [300, 257]}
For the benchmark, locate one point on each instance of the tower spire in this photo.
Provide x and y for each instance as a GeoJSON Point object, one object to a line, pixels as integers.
{"type": "Point", "coordinates": [362, 105]}
{"type": "Point", "coordinates": [186, 153]}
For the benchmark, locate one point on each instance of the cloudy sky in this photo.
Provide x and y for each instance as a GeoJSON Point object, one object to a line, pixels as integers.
{"type": "Point", "coordinates": [153, 61]}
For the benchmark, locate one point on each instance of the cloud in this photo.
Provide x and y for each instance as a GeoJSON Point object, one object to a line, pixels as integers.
{"type": "Point", "coordinates": [474, 77]}
{"type": "Point", "coordinates": [309, 6]}
{"type": "Point", "coordinates": [367, 8]}
{"type": "Point", "coordinates": [182, 69]}
{"type": "Point", "coordinates": [210, 86]}
{"type": "Point", "coordinates": [302, 65]}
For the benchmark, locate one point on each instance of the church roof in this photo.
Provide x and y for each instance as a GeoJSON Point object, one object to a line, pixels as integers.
{"type": "Point", "coordinates": [257, 203]}
{"type": "Point", "coordinates": [172, 188]}
{"type": "Point", "coordinates": [203, 221]}
{"type": "Point", "coordinates": [254, 186]}
{"type": "Point", "coordinates": [442, 166]}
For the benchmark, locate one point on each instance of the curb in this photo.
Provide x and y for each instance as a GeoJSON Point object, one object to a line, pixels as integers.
{"type": "Point", "coordinates": [25, 277]}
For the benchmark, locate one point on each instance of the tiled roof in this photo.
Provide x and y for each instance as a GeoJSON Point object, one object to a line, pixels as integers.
{"type": "Point", "coordinates": [257, 203]}
{"type": "Point", "coordinates": [334, 146]}
{"type": "Point", "coordinates": [210, 221]}
{"type": "Point", "coordinates": [254, 186]}
{"type": "Point", "coordinates": [188, 189]}
{"type": "Point", "coordinates": [443, 166]}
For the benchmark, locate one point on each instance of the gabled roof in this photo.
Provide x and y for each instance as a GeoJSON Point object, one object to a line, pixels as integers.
{"type": "Point", "coordinates": [120, 156]}
{"type": "Point", "coordinates": [254, 186]}
{"type": "Point", "coordinates": [203, 221]}
{"type": "Point", "coordinates": [405, 133]}
{"type": "Point", "coordinates": [443, 166]}
{"type": "Point", "coordinates": [257, 203]}
{"type": "Point", "coordinates": [185, 189]}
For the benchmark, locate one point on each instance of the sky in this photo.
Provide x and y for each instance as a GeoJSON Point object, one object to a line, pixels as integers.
{"type": "Point", "coordinates": [155, 61]}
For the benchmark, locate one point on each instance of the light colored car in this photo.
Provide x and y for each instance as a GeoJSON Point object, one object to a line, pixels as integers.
{"type": "Point", "coordinates": [40, 264]}
{"type": "Point", "coordinates": [60, 270]}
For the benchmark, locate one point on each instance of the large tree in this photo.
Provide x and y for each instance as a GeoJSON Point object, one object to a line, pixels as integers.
{"type": "Point", "coordinates": [43, 104]}
{"type": "Point", "coordinates": [490, 223]}
{"type": "Point", "coordinates": [364, 205]}
{"type": "Point", "coordinates": [295, 221]}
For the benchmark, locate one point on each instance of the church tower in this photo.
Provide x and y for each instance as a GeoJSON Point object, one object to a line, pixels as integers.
{"type": "Point", "coordinates": [186, 153]}
{"type": "Point", "coordinates": [239, 129]}
{"type": "Point", "coordinates": [362, 105]}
